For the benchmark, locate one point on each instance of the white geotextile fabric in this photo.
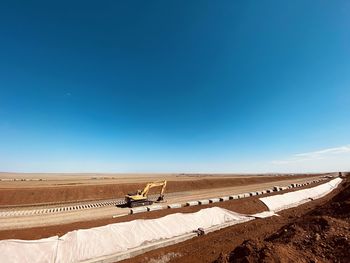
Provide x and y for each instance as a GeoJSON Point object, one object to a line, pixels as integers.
{"type": "Point", "coordinates": [264, 214]}
{"type": "Point", "coordinates": [31, 251]}
{"type": "Point", "coordinates": [91, 243]}
{"type": "Point", "coordinates": [292, 199]}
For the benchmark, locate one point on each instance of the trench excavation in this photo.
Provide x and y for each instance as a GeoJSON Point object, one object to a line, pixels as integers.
{"type": "Point", "coordinates": [11, 212]}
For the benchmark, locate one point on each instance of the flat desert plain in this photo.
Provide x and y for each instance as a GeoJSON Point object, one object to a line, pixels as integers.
{"type": "Point", "coordinates": [23, 189]}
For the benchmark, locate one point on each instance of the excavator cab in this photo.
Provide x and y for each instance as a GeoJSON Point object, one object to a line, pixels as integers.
{"type": "Point", "coordinates": [140, 198]}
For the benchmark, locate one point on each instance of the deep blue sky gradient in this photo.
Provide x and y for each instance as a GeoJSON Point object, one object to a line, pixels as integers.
{"type": "Point", "coordinates": [171, 85]}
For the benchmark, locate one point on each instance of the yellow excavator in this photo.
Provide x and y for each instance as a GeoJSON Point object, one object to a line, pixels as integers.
{"type": "Point", "coordinates": [140, 198]}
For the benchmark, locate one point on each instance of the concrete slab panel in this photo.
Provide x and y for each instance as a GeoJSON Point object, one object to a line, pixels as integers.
{"type": "Point", "coordinates": [244, 195]}
{"type": "Point", "coordinates": [155, 207]}
{"type": "Point", "coordinates": [192, 203]}
{"type": "Point", "coordinates": [214, 200]}
{"type": "Point", "coordinates": [224, 198]}
{"type": "Point", "coordinates": [174, 206]}
{"type": "Point", "coordinates": [138, 210]}
{"type": "Point", "coordinates": [203, 202]}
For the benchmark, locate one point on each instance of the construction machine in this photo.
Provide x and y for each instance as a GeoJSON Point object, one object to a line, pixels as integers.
{"type": "Point", "coordinates": [140, 198]}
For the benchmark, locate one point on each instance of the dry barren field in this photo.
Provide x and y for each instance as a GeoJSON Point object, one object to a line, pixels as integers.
{"type": "Point", "coordinates": [21, 194]}
{"type": "Point", "coordinates": [19, 189]}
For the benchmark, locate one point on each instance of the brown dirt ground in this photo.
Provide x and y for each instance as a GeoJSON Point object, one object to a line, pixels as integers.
{"type": "Point", "coordinates": [74, 193]}
{"type": "Point", "coordinates": [321, 235]}
{"type": "Point", "coordinates": [249, 205]}
{"type": "Point", "coordinates": [317, 231]}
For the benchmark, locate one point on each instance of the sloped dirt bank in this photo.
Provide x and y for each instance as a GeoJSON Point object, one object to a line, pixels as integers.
{"type": "Point", "coordinates": [321, 235]}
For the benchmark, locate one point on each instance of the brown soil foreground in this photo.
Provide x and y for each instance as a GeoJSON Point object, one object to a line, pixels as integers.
{"type": "Point", "coordinates": [318, 231]}
{"type": "Point", "coordinates": [18, 194]}
{"type": "Point", "coordinates": [322, 235]}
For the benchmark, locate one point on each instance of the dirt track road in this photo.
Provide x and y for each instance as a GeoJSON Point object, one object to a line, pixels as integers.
{"type": "Point", "coordinates": [19, 222]}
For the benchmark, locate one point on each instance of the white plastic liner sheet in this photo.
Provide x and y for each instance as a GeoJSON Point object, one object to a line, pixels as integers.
{"type": "Point", "coordinates": [292, 199]}
{"type": "Point", "coordinates": [264, 214]}
{"type": "Point", "coordinates": [91, 243]}
{"type": "Point", "coordinates": [33, 251]}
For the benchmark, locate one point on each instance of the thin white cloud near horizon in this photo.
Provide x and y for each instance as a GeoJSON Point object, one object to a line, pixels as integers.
{"type": "Point", "coordinates": [325, 160]}
{"type": "Point", "coordinates": [330, 159]}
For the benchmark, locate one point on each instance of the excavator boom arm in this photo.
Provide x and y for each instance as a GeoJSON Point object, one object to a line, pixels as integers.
{"type": "Point", "coordinates": [152, 185]}
{"type": "Point", "coordinates": [141, 197]}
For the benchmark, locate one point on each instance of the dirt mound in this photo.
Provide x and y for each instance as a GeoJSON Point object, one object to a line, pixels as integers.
{"type": "Point", "coordinates": [322, 235]}
{"type": "Point", "coordinates": [258, 251]}
{"type": "Point", "coordinates": [330, 242]}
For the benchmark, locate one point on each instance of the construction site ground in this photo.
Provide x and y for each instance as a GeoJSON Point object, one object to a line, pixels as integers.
{"type": "Point", "coordinates": [16, 222]}
{"type": "Point", "coordinates": [42, 189]}
{"type": "Point", "coordinates": [317, 231]}
{"type": "Point", "coordinates": [217, 246]}
{"type": "Point", "coordinates": [60, 223]}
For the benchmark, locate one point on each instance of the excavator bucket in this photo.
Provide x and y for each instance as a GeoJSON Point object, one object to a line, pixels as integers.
{"type": "Point", "coordinates": [160, 199]}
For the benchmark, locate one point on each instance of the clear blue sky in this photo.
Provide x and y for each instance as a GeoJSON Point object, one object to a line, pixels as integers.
{"type": "Point", "coordinates": [132, 86]}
